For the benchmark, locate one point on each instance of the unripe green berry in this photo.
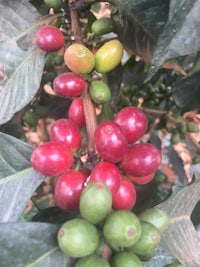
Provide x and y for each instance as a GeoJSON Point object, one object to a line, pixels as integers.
{"type": "Point", "coordinates": [99, 92]}
{"type": "Point", "coordinates": [192, 127]}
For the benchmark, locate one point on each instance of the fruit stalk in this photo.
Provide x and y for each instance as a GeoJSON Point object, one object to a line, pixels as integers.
{"type": "Point", "coordinates": [91, 121]}
{"type": "Point", "coordinates": [75, 26]}
{"type": "Point", "coordinates": [89, 109]}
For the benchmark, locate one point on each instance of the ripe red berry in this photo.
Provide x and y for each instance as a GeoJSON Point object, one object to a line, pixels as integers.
{"type": "Point", "coordinates": [49, 38]}
{"type": "Point", "coordinates": [125, 198]}
{"type": "Point", "coordinates": [111, 144]}
{"type": "Point", "coordinates": [133, 122]}
{"type": "Point", "coordinates": [69, 85]}
{"type": "Point", "coordinates": [51, 158]}
{"type": "Point", "coordinates": [141, 159]}
{"type": "Point", "coordinates": [76, 112]}
{"type": "Point", "coordinates": [66, 132]}
{"type": "Point", "coordinates": [68, 189]}
{"type": "Point", "coordinates": [143, 179]}
{"type": "Point", "coordinates": [107, 173]}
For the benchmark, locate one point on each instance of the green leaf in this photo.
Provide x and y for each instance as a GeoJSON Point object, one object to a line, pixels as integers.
{"type": "Point", "coordinates": [31, 244]}
{"type": "Point", "coordinates": [54, 215]}
{"type": "Point", "coordinates": [21, 64]}
{"type": "Point", "coordinates": [177, 166]}
{"type": "Point", "coordinates": [18, 180]}
{"type": "Point", "coordinates": [161, 258]}
{"type": "Point", "coordinates": [180, 36]}
{"type": "Point", "coordinates": [181, 237]}
{"type": "Point", "coordinates": [185, 99]}
{"type": "Point", "coordinates": [140, 24]}
{"type": "Point", "coordinates": [114, 80]}
{"type": "Point", "coordinates": [14, 155]}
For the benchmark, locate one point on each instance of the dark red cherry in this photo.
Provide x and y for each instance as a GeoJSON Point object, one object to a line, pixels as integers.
{"type": "Point", "coordinates": [111, 144]}
{"type": "Point", "coordinates": [49, 38]}
{"type": "Point", "coordinates": [133, 122]}
{"type": "Point", "coordinates": [141, 159]}
{"type": "Point", "coordinates": [66, 132]}
{"type": "Point", "coordinates": [125, 198]}
{"type": "Point", "coordinates": [142, 179]}
{"type": "Point", "coordinates": [107, 173]}
{"type": "Point", "coordinates": [68, 189]}
{"type": "Point", "coordinates": [51, 158]}
{"type": "Point", "coordinates": [76, 112]}
{"type": "Point", "coordinates": [69, 85]}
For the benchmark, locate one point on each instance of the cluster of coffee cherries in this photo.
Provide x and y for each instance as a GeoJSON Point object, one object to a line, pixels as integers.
{"type": "Point", "coordinates": [129, 239]}
{"type": "Point", "coordinates": [100, 187]}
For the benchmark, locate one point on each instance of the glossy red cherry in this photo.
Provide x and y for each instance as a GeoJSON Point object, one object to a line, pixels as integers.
{"type": "Point", "coordinates": [66, 132]}
{"type": "Point", "coordinates": [68, 189]}
{"type": "Point", "coordinates": [111, 144]}
{"type": "Point", "coordinates": [76, 112]}
{"type": "Point", "coordinates": [143, 179]}
{"type": "Point", "coordinates": [141, 159]}
{"type": "Point", "coordinates": [69, 85]}
{"type": "Point", "coordinates": [125, 198]}
{"type": "Point", "coordinates": [107, 173]}
{"type": "Point", "coordinates": [49, 38]}
{"type": "Point", "coordinates": [51, 158]}
{"type": "Point", "coordinates": [133, 122]}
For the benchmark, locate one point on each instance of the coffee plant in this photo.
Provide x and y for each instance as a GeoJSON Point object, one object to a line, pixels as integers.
{"type": "Point", "coordinates": [96, 100]}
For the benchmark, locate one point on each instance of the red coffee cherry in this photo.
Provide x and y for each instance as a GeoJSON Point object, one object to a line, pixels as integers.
{"type": "Point", "coordinates": [51, 158]}
{"type": "Point", "coordinates": [110, 141]}
{"type": "Point", "coordinates": [125, 198]}
{"type": "Point", "coordinates": [107, 173]}
{"type": "Point", "coordinates": [133, 122]}
{"type": "Point", "coordinates": [141, 159]}
{"type": "Point", "coordinates": [143, 179]}
{"type": "Point", "coordinates": [66, 132]}
{"type": "Point", "coordinates": [49, 38]}
{"type": "Point", "coordinates": [68, 189]}
{"type": "Point", "coordinates": [76, 112]}
{"type": "Point", "coordinates": [69, 85]}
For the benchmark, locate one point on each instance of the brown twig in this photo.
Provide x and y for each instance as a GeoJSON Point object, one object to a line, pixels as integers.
{"type": "Point", "coordinates": [76, 29]}
{"type": "Point", "coordinates": [91, 121]}
{"type": "Point", "coordinates": [154, 111]}
{"type": "Point", "coordinates": [89, 109]}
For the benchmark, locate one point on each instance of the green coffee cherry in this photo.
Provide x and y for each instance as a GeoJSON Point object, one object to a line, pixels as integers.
{"type": "Point", "coordinates": [146, 256]}
{"type": "Point", "coordinates": [159, 218]}
{"type": "Point", "coordinates": [30, 118]}
{"type": "Point", "coordinates": [125, 258]}
{"type": "Point", "coordinates": [103, 26]}
{"type": "Point", "coordinates": [58, 60]}
{"type": "Point", "coordinates": [148, 241]}
{"type": "Point", "coordinates": [106, 113]}
{"type": "Point", "coordinates": [99, 92]}
{"type": "Point", "coordinates": [91, 260]}
{"type": "Point", "coordinates": [175, 138]}
{"type": "Point", "coordinates": [183, 128]}
{"type": "Point", "coordinates": [78, 238]}
{"type": "Point", "coordinates": [55, 4]}
{"type": "Point", "coordinates": [48, 63]}
{"type": "Point", "coordinates": [42, 110]}
{"type": "Point", "coordinates": [196, 159]}
{"type": "Point", "coordinates": [96, 210]}
{"type": "Point", "coordinates": [122, 228]}
{"type": "Point", "coordinates": [192, 127]}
